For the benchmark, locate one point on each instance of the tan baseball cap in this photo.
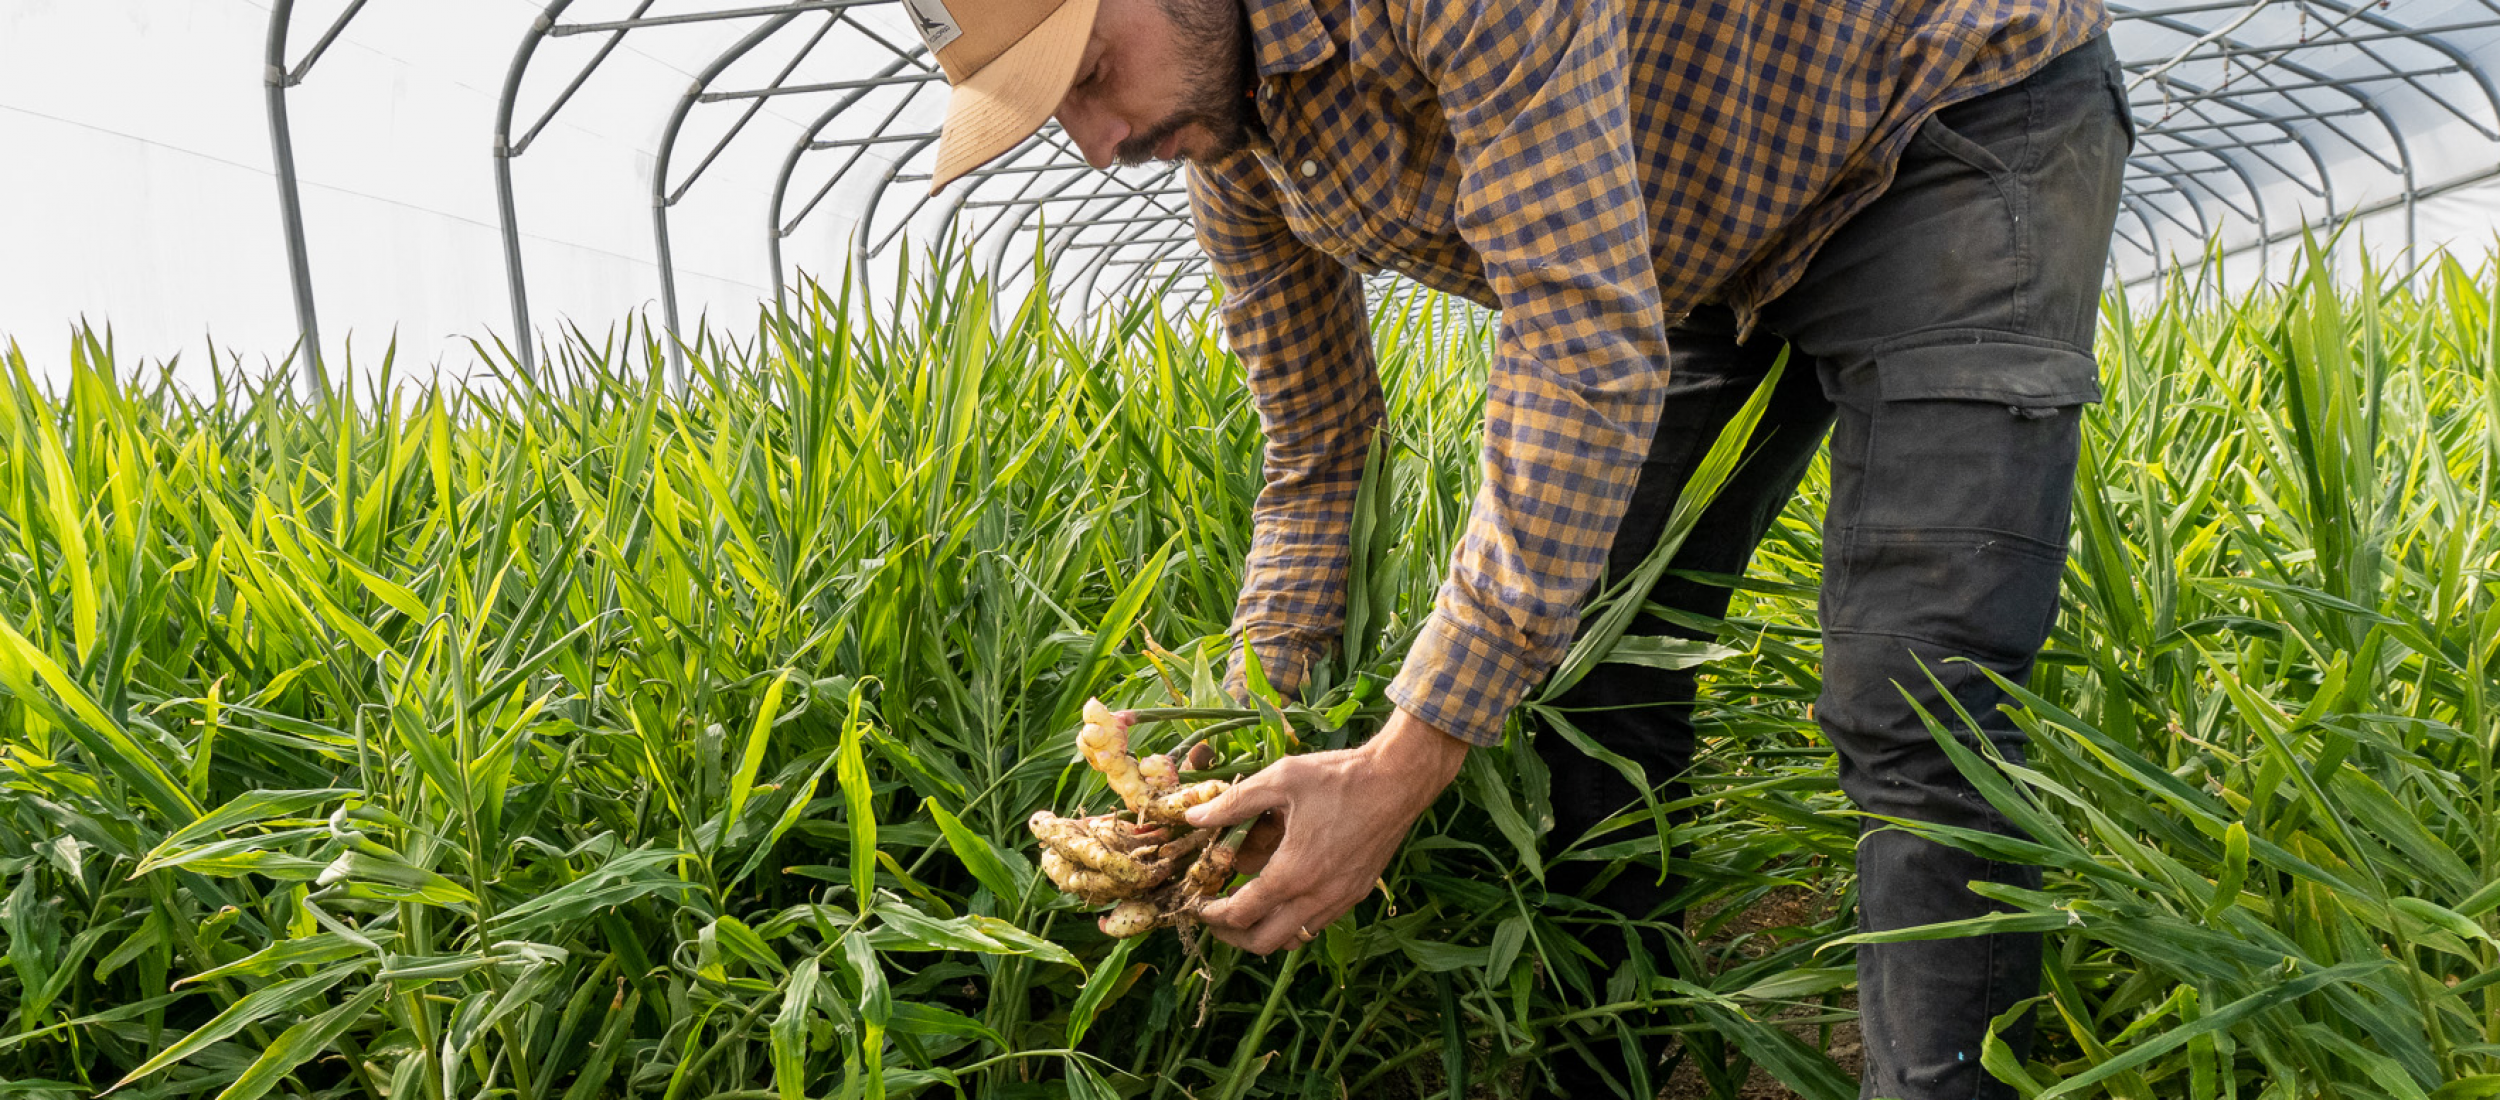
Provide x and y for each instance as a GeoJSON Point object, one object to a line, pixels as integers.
{"type": "Point", "coordinates": [1010, 62]}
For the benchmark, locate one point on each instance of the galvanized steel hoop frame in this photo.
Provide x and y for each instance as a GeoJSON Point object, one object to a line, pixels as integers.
{"type": "Point", "coordinates": [2229, 96]}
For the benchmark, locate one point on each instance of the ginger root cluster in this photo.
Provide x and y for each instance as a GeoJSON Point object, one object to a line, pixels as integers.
{"type": "Point", "coordinates": [1145, 860]}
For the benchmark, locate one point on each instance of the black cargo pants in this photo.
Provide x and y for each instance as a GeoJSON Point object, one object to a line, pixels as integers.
{"type": "Point", "coordinates": [1943, 338]}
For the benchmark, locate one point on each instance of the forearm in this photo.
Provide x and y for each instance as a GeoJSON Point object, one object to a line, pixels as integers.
{"type": "Point", "coordinates": [1292, 605]}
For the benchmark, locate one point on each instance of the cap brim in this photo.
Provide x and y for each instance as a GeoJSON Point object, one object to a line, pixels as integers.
{"type": "Point", "coordinates": [1013, 95]}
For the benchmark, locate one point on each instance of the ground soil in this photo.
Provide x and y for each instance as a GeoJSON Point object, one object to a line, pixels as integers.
{"type": "Point", "coordinates": [1794, 907]}
{"type": "Point", "coordinates": [1781, 908]}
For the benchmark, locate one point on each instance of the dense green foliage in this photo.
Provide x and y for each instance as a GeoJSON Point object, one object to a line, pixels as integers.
{"type": "Point", "coordinates": [562, 736]}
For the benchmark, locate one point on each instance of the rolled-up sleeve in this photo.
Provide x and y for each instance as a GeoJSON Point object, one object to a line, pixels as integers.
{"type": "Point", "coordinates": [1296, 318]}
{"type": "Point", "coordinates": [1550, 198]}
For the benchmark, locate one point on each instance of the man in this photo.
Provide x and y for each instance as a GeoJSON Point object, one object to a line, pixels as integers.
{"type": "Point", "coordinates": [1916, 196]}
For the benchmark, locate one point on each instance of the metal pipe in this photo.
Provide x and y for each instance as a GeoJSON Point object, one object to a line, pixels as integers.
{"type": "Point", "coordinates": [2434, 191]}
{"type": "Point", "coordinates": [1080, 198]}
{"type": "Point", "coordinates": [738, 127]}
{"type": "Point", "coordinates": [876, 197]}
{"type": "Point", "coordinates": [1191, 239]}
{"type": "Point", "coordinates": [2324, 188]}
{"type": "Point", "coordinates": [2341, 84]}
{"type": "Point", "coordinates": [304, 67]}
{"type": "Point", "coordinates": [2269, 120]}
{"type": "Point", "coordinates": [516, 283]}
{"type": "Point", "coordinates": [776, 231]}
{"type": "Point", "coordinates": [1053, 237]}
{"type": "Point", "coordinates": [833, 86]}
{"type": "Point", "coordinates": [660, 199]}
{"type": "Point", "coordinates": [1010, 170]}
{"type": "Point", "coordinates": [579, 79]}
{"type": "Point", "coordinates": [797, 7]}
{"type": "Point", "coordinates": [2178, 174]}
{"type": "Point", "coordinates": [837, 174]}
{"type": "Point", "coordinates": [290, 202]}
{"type": "Point", "coordinates": [878, 139]}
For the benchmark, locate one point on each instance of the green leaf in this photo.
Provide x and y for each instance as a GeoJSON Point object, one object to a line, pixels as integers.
{"type": "Point", "coordinates": [2233, 872]}
{"type": "Point", "coordinates": [1098, 987]}
{"type": "Point", "coordinates": [1807, 1071]}
{"type": "Point", "coordinates": [252, 1009]}
{"type": "Point", "coordinates": [1508, 938]}
{"type": "Point", "coordinates": [1493, 795]}
{"type": "Point", "coordinates": [395, 880]}
{"type": "Point", "coordinates": [876, 1009]}
{"type": "Point", "coordinates": [1114, 626]}
{"type": "Point", "coordinates": [2444, 919]}
{"type": "Point", "coordinates": [908, 928]}
{"type": "Point", "coordinates": [1666, 651]}
{"type": "Point", "coordinates": [752, 760]}
{"type": "Point", "coordinates": [1800, 983]}
{"type": "Point", "coordinates": [301, 1043]}
{"type": "Point", "coordinates": [636, 874]}
{"type": "Point", "coordinates": [248, 808]}
{"type": "Point", "coordinates": [918, 1018]}
{"type": "Point", "coordinates": [2219, 1019]}
{"type": "Point", "coordinates": [1968, 926]}
{"type": "Point", "coordinates": [1615, 608]}
{"type": "Point", "coordinates": [851, 771]}
{"type": "Point", "coordinates": [69, 527]}
{"type": "Point", "coordinates": [111, 745]}
{"type": "Point", "coordinates": [268, 962]}
{"type": "Point", "coordinates": [2481, 1086]}
{"type": "Point", "coordinates": [789, 1031]}
{"type": "Point", "coordinates": [1007, 874]}
{"type": "Point", "coordinates": [1437, 957]}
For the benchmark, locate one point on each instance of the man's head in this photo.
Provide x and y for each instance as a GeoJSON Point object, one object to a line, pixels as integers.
{"type": "Point", "coordinates": [1129, 80]}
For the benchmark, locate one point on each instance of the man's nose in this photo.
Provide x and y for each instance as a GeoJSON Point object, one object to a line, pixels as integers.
{"type": "Point", "coordinates": [1097, 133]}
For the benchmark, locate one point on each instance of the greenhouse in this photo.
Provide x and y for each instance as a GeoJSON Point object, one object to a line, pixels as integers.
{"type": "Point", "coordinates": [703, 548]}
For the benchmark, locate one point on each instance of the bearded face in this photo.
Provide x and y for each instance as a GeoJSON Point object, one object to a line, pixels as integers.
{"type": "Point", "coordinates": [1216, 84]}
{"type": "Point", "coordinates": [1163, 80]}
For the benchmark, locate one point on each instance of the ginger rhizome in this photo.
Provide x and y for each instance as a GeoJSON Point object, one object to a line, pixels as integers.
{"type": "Point", "coordinates": [1146, 858]}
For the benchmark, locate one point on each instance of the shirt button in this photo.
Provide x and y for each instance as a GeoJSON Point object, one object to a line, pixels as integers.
{"type": "Point", "coordinates": [1310, 168]}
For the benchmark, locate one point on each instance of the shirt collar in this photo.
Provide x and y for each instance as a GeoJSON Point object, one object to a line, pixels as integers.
{"type": "Point", "coordinates": [1287, 36]}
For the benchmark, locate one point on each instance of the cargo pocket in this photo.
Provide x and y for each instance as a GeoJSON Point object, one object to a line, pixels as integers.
{"type": "Point", "coordinates": [1958, 488]}
{"type": "Point", "coordinates": [2028, 376]}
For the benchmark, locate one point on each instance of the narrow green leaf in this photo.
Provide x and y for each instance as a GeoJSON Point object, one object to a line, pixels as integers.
{"type": "Point", "coordinates": [852, 773]}
{"type": "Point", "coordinates": [300, 1044]}
{"type": "Point", "coordinates": [1005, 873]}
{"type": "Point", "coordinates": [248, 808]}
{"type": "Point", "coordinates": [1098, 986]}
{"type": "Point", "coordinates": [253, 1008]}
{"type": "Point", "coordinates": [741, 784]}
{"type": "Point", "coordinates": [789, 1031]}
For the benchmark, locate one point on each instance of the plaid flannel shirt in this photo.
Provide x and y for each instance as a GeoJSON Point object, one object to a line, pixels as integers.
{"type": "Point", "coordinates": [1591, 168]}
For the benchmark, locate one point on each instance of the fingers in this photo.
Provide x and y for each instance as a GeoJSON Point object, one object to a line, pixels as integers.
{"type": "Point", "coordinates": [1256, 851]}
{"type": "Point", "coordinates": [1245, 800]}
{"type": "Point", "coordinates": [1201, 756]}
{"type": "Point", "coordinates": [1286, 926]}
{"type": "Point", "coordinates": [1252, 903]}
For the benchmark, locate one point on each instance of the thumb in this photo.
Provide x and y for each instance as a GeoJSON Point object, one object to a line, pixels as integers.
{"type": "Point", "coordinates": [1244, 800]}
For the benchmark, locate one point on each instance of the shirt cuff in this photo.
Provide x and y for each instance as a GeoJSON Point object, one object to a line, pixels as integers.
{"type": "Point", "coordinates": [1461, 681]}
{"type": "Point", "coordinates": [1285, 656]}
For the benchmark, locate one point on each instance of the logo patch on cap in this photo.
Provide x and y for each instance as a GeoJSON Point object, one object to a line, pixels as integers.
{"type": "Point", "coordinates": [936, 25]}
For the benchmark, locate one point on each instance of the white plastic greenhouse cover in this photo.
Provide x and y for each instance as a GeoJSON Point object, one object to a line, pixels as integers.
{"type": "Point", "coordinates": [691, 158]}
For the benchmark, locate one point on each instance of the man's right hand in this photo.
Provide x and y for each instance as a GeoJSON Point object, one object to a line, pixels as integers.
{"type": "Point", "coordinates": [1337, 818]}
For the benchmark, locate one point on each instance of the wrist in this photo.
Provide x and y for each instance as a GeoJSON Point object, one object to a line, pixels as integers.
{"type": "Point", "coordinates": [1416, 756]}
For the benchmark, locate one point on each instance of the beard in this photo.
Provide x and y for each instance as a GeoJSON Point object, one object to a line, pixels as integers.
{"type": "Point", "coordinates": [1216, 84]}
